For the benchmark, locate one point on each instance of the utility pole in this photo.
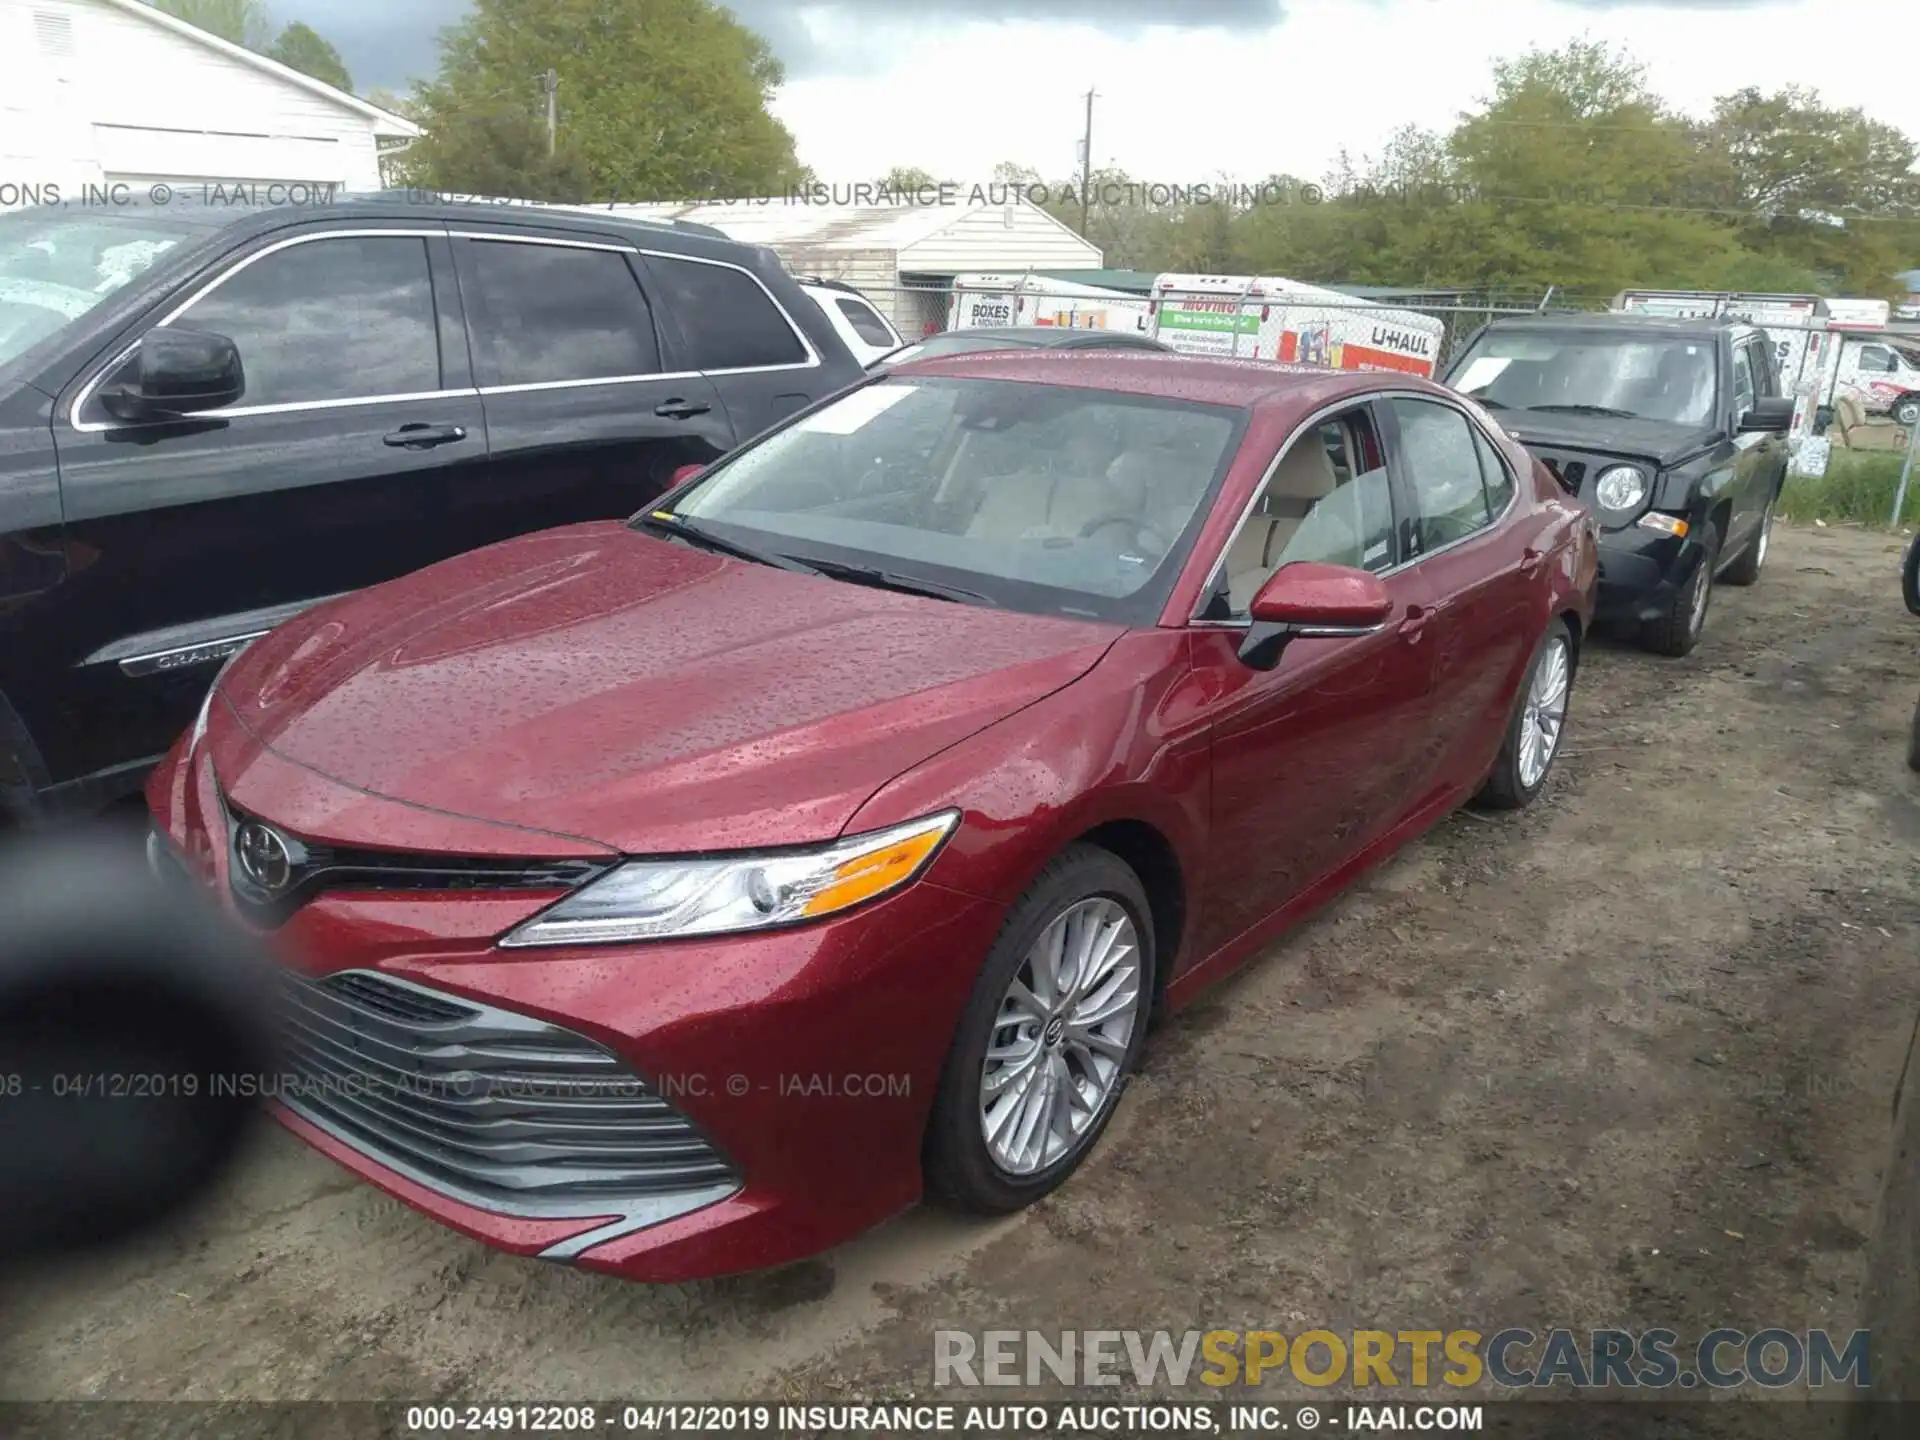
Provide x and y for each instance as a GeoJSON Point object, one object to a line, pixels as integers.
{"type": "Point", "coordinates": [551, 82]}
{"type": "Point", "coordinates": [1086, 165]}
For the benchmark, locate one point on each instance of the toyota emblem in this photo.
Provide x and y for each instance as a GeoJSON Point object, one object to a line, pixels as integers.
{"type": "Point", "coordinates": [263, 856]}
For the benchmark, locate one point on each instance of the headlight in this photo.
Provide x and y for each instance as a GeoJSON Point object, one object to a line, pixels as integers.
{"type": "Point", "coordinates": [1624, 487]}
{"type": "Point", "coordinates": [670, 899]}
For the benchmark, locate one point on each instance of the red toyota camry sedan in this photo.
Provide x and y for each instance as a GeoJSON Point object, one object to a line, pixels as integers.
{"type": "Point", "coordinates": [683, 895]}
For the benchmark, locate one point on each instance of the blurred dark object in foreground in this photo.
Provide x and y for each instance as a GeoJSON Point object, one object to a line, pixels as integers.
{"type": "Point", "coordinates": [131, 1017]}
{"type": "Point", "coordinates": [1890, 1297]}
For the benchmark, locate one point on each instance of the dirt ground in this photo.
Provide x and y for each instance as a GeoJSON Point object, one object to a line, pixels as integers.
{"type": "Point", "coordinates": [1623, 1060]}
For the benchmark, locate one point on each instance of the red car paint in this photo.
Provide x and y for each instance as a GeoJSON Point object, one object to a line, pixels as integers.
{"type": "Point", "coordinates": [594, 692]}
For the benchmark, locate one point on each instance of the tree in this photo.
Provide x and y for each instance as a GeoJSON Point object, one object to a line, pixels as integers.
{"type": "Point", "coordinates": [657, 99]}
{"type": "Point", "coordinates": [305, 50]}
{"type": "Point", "coordinates": [1794, 167]}
{"type": "Point", "coordinates": [241, 22]}
{"type": "Point", "coordinates": [908, 180]}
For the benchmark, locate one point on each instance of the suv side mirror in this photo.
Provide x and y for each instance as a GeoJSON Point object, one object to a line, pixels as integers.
{"type": "Point", "coordinates": [176, 372]}
{"type": "Point", "coordinates": [684, 474]}
{"type": "Point", "coordinates": [1773, 414]}
{"type": "Point", "coordinates": [1307, 600]}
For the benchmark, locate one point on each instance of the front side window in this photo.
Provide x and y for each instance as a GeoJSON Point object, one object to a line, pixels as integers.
{"type": "Point", "coordinates": [1876, 357]}
{"type": "Point", "coordinates": [1742, 381]}
{"type": "Point", "coordinates": [1328, 500]}
{"type": "Point", "coordinates": [1037, 497]}
{"type": "Point", "coordinates": [334, 319]}
{"type": "Point", "coordinates": [550, 314]}
{"type": "Point", "coordinates": [1443, 469]}
{"type": "Point", "coordinates": [1614, 373]}
{"type": "Point", "coordinates": [57, 266]}
{"type": "Point", "coordinates": [729, 319]}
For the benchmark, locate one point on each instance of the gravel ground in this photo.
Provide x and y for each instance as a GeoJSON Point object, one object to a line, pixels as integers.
{"type": "Point", "coordinates": [1622, 1060]}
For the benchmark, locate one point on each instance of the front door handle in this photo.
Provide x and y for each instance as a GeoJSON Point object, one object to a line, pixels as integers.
{"type": "Point", "coordinates": [681, 409]}
{"type": "Point", "coordinates": [422, 435]}
{"type": "Point", "coordinates": [1415, 623]}
{"type": "Point", "coordinates": [1531, 560]}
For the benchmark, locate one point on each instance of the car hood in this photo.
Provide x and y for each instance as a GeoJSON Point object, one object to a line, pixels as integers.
{"type": "Point", "coordinates": [1663, 443]}
{"type": "Point", "coordinates": [601, 684]}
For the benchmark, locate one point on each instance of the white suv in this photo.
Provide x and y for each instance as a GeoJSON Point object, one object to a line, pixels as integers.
{"type": "Point", "coordinates": [865, 330]}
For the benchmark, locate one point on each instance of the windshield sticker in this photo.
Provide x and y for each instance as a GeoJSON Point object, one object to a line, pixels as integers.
{"type": "Point", "coordinates": [1483, 371]}
{"type": "Point", "coordinates": [857, 410]}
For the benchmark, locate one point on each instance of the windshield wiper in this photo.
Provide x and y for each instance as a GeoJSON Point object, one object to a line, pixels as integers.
{"type": "Point", "coordinates": [1486, 404]}
{"type": "Point", "coordinates": [906, 584]}
{"type": "Point", "coordinates": [707, 540]}
{"type": "Point", "coordinates": [1606, 410]}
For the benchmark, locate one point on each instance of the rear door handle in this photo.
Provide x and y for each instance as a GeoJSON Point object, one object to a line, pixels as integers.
{"type": "Point", "coordinates": [681, 409]}
{"type": "Point", "coordinates": [1415, 623]}
{"type": "Point", "coordinates": [424, 436]}
{"type": "Point", "coordinates": [1531, 560]}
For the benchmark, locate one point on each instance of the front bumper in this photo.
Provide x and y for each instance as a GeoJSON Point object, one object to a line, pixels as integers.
{"type": "Point", "coordinates": [1641, 571]}
{"type": "Point", "coordinates": [804, 1061]}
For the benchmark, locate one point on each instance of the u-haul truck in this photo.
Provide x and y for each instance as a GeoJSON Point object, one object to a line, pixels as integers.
{"type": "Point", "coordinates": [992, 300]}
{"type": "Point", "coordinates": [1260, 317]}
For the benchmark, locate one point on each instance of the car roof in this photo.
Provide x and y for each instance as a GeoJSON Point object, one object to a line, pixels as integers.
{"type": "Point", "coordinates": [1243, 384]}
{"type": "Point", "coordinates": [1690, 328]}
{"type": "Point", "coordinates": [1048, 336]}
{"type": "Point", "coordinates": [208, 208]}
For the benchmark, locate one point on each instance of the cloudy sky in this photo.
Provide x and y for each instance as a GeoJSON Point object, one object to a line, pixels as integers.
{"type": "Point", "coordinates": [1192, 88]}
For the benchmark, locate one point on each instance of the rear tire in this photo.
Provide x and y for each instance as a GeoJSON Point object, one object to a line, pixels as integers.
{"type": "Point", "coordinates": [961, 1168]}
{"type": "Point", "coordinates": [1678, 630]}
{"type": "Point", "coordinates": [1520, 772]}
{"type": "Point", "coordinates": [1746, 569]}
{"type": "Point", "coordinates": [1906, 411]}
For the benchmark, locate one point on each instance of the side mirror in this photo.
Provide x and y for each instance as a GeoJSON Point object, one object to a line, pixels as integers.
{"type": "Point", "coordinates": [684, 474]}
{"type": "Point", "coordinates": [1773, 416]}
{"type": "Point", "coordinates": [176, 372]}
{"type": "Point", "coordinates": [1307, 600]}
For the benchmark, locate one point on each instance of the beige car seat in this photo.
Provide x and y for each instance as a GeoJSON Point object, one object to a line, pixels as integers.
{"type": "Point", "coordinates": [1303, 477]}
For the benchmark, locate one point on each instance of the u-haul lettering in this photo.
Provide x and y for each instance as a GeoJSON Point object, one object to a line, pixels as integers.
{"type": "Point", "coordinates": [1405, 341]}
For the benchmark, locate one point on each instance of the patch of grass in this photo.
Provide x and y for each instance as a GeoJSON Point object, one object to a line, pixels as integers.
{"type": "Point", "coordinates": [1859, 486]}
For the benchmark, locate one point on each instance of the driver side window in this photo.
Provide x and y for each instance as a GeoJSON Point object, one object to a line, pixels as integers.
{"type": "Point", "coordinates": [1742, 381]}
{"type": "Point", "coordinates": [1327, 500]}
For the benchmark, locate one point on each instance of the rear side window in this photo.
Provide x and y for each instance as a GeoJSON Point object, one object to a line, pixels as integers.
{"type": "Point", "coordinates": [865, 323]}
{"type": "Point", "coordinates": [336, 319]}
{"type": "Point", "coordinates": [1437, 446]}
{"type": "Point", "coordinates": [729, 320]}
{"type": "Point", "coordinates": [1494, 468]}
{"type": "Point", "coordinates": [542, 314]}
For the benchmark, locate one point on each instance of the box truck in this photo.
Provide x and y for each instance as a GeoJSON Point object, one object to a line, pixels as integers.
{"type": "Point", "coordinates": [994, 300]}
{"type": "Point", "coordinates": [1266, 317]}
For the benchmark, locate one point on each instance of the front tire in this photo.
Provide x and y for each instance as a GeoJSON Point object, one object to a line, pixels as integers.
{"type": "Point", "coordinates": [1913, 741]}
{"type": "Point", "coordinates": [1049, 1037]}
{"type": "Point", "coordinates": [1746, 569]}
{"type": "Point", "coordinates": [1906, 411]}
{"type": "Point", "coordinates": [1679, 629]}
{"type": "Point", "coordinates": [1538, 722]}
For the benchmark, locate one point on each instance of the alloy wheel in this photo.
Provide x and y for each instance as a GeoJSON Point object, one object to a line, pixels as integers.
{"type": "Point", "coordinates": [1697, 597]}
{"type": "Point", "coordinates": [1766, 536]}
{"type": "Point", "coordinates": [1545, 715]}
{"type": "Point", "coordinates": [1061, 1037]}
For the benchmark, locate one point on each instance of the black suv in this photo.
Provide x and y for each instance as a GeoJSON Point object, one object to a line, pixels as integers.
{"type": "Point", "coordinates": [211, 419]}
{"type": "Point", "coordinates": [1672, 432]}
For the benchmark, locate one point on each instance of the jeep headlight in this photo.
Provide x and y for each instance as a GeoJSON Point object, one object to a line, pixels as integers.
{"type": "Point", "coordinates": [1621, 489]}
{"type": "Point", "coordinates": [670, 899]}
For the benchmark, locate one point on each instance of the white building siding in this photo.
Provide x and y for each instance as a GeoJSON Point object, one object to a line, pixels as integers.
{"type": "Point", "coordinates": [1000, 238]}
{"type": "Point", "coordinates": [91, 94]}
{"type": "Point", "coordinates": [870, 272]}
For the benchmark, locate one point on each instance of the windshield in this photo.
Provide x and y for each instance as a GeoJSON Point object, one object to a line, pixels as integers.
{"type": "Point", "coordinates": [1633, 375]}
{"type": "Point", "coordinates": [1045, 498]}
{"type": "Point", "coordinates": [55, 267]}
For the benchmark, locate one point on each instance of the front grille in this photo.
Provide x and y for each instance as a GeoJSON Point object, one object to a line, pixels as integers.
{"type": "Point", "coordinates": [1570, 472]}
{"type": "Point", "coordinates": [315, 868]}
{"type": "Point", "coordinates": [492, 1106]}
